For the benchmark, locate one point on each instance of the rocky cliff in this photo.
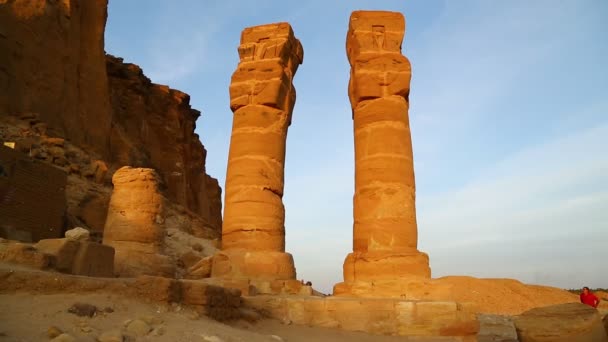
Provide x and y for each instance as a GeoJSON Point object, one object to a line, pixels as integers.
{"type": "Point", "coordinates": [56, 81]}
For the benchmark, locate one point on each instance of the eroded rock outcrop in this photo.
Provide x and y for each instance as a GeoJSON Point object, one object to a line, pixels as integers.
{"type": "Point", "coordinates": [57, 82]}
{"type": "Point", "coordinates": [52, 62]}
{"type": "Point", "coordinates": [385, 233]}
{"type": "Point", "coordinates": [153, 127]}
{"type": "Point", "coordinates": [262, 97]}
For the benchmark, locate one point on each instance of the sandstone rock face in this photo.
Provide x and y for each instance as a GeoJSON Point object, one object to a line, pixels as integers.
{"type": "Point", "coordinates": [571, 322]}
{"type": "Point", "coordinates": [134, 224]}
{"type": "Point", "coordinates": [262, 97]}
{"type": "Point", "coordinates": [52, 62]}
{"type": "Point", "coordinates": [153, 127]}
{"type": "Point", "coordinates": [54, 73]}
{"type": "Point", "coordinates": [384, 232]}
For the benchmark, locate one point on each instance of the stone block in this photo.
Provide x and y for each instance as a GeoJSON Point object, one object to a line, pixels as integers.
{"type": "Point", "coordinates": [201, 269]}
{"type": "Point", "coordinates": [62, 252]}
{"type": "Point", "coordinates": [160, 289]}
{"type": "Point", "coordinates": [571, 322]}
{"type": "Point", "coordinates": [200, 293]}
{"type": "Point", "coordinates": [26, 255]}
{"type": "Point", "coordinates": [94, 260]}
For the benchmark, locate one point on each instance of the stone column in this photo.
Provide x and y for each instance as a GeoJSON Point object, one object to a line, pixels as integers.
{"type": "Point", "coordinates": [135, 224]}
{"type": "Point", "coordinates": [384, 233]}
{"type": "Point", "coordinates": [262, 98]}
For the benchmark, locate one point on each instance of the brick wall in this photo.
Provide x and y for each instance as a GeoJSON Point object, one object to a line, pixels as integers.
{"type": "Point", "coordinates": [32, 197]}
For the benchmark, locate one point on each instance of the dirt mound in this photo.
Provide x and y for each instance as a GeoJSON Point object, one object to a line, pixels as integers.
{"type": "Point", "coordinates": [505, 296]}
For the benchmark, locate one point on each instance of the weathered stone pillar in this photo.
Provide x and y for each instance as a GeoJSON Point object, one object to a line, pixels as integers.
{"type": "Point", "coordinates": [262, 97]}
{"type": "Point", "coordinates": [384, 233]}
{"type": "Point", "coordinates": [134, 225]}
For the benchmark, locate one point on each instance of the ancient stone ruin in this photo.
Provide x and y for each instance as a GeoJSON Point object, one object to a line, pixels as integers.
{"type": "Point", "coordinates": [94, 143]}
{"type": "Point", "coordinates": [385, 235]}
{"type": "Point", "coordinates": [262, 98]}
{"type": "Point", "coordinates": [134, 224]}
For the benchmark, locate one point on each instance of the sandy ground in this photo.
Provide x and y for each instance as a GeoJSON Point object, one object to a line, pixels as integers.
{"type": "Point", "coordinates": [27, 317]}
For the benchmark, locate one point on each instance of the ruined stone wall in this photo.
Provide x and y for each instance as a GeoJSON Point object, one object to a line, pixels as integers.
{"type": "Point", "coordinates": [53, 64]}
{"type": "Point", "coordinates": [32, 197]}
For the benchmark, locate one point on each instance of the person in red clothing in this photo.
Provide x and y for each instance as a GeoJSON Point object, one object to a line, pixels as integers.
{"type": "Point", "coordinates": [589, 298]}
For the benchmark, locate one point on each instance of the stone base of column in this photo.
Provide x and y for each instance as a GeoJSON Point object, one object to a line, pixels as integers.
{"type": "Point", "coordinates": [388, 274]}
{"type": "Point", "coordinates": [423, 320]}
{"type": "Point", "coordinates": [415, 288]}
{"type": "Point", "coordinates": [386, 265]}
{"type": "Point", "coordinates": [238, 264]}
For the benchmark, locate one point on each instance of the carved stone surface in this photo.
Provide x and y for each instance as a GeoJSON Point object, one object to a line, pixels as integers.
{"type": "Point", "coordinates": [262, 97]}
{"type": "Point", "coordinates": [385, 233]}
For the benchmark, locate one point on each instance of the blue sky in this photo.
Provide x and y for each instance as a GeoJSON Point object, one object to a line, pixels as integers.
{"type": "Point", "coordinates": [509, 117]}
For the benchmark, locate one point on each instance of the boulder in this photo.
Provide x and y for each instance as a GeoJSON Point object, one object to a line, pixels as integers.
{"type": "Point", "coordinates": [200, 270]}
{"type": "Point", "coordinates": [78, 234]}
{"type": "Point", "coordinates": [570, 322]}
{"type": "Point", "coordinates": [138, 328]}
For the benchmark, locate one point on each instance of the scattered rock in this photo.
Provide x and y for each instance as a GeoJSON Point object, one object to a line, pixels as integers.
{"type": "Point", "coordinates": [212, 339]}
{"type": "Point", "coordinates": [83, 309]}
{"type": "Point", "coordinates": [152, 320]}
{"type": "Point", "coordinates": [249, 315]}
{"type": "Point", "coordinates": [201, 269]}
{"type": "Point", "coordinates": [53, 332]}
{"type": "Point", "coordinates": [111, 336]}
{"type": "Point", "coordinates": [86, 329]}
{"type": "Point", "coordinates": [158, 331]}
{"type": "Point", "coordinates": [78, 234]}
{"type": "Point", "coordinates": [276, 338]}
{"type": "Point", "coordinates": [108, 309]}
{"type": "Point", "coordinates": [286, 321]}
{"type": "Point", "coordinates": [59, 142]}
{"type": "Point", "coordinates": [571, 322]}
{"type": "Point", "coordinates": [138, 328]}
{"type": "Point", "coordinates": [64, 338]}
{"type": "Point", "coordinates": [189, 259]}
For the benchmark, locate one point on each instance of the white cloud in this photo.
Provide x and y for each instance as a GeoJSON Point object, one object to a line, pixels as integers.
{"type": "Point", "coordinates": [541, 211]}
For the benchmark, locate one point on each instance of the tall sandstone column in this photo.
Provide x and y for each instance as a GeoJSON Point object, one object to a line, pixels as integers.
{"type": "Point", "coordinates": [262, 98]}
{"type": "Point", "coordinates": [384, 233]}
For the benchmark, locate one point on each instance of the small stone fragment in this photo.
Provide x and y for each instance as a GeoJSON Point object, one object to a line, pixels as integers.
{"type": "Point", "coordinates": [212, 339]}
{"type": "Point", "coordinates": [276, 338]}
{"type": "Point", "coordinates": [78, 234]}
{"type": "Point", "coordinates": [111, 336]}
{"type": "Point", "coordinates": [64, 338]}
{"type": "Point", "coordinates": [138, 328]}
{"type": "Point", "coordinates": [53, 332]}
{"type": "Point", "coordinates": [83, 309]}
{"type": "Point", "coordinates": [152, 320]}
{"type": "Point", "coordinates": [158, 331]}
{"type": "Point", "coordinates": [108, 309]}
